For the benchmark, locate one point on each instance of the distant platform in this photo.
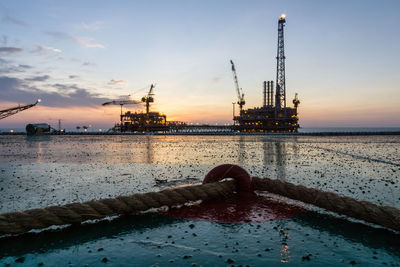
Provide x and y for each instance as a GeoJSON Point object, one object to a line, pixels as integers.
{"type": "Point", "coordinates": [222, 133]}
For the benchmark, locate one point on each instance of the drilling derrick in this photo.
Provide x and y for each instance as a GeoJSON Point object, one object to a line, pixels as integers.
{"type": "Point", "coordinates": [280, 96]}
{"type": "Point", "coordinates": [272, 118]}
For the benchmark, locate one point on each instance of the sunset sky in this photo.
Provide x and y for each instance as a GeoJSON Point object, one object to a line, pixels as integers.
{"type": "Point", "coordinates": [342, 58]}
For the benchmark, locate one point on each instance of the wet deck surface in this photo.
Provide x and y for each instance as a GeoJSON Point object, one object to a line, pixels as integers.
{"type": "Point", "coordinates": [53, 170]}
{"type": "Point", "coordinates": [153, 239]}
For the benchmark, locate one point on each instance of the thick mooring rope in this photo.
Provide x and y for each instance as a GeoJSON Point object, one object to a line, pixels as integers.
{"type": "Point", "coordinates": [75, 213]}
{"type": "Point", "coordinates": [358, 209]}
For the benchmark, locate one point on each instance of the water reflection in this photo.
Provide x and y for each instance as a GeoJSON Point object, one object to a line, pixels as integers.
{"type": "Point", "coordinates": [280, 152]}
{"type": "Point", "coordinates": [284, 236]}
{"type": "Point", "coordinates": [242, 150]}
{"type": "Point", "coordinates": [37, 143]}
{"type": "Point", "coordinates": [268, 150]}
{"type": "Point", "coordinates": [39, 138]}
{"type": "Point", "coordinates": [149, 150]}
{"type": "Point", "coordinates": [295, 146]}
{"type": "Point", "coordinates": [275, 153]}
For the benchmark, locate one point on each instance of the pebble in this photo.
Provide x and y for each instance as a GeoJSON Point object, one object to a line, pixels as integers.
{"type": "Point", "coordinates": [20, 259]}
{"type": "Point", "coordinates": [306, 257]}
{"type": "Point", "coordinates": [230, 261]}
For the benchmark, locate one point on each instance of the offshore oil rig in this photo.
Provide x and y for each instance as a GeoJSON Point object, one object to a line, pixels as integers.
{"type": "Point", "coordinates": [273, 116]}
{"type": "Point", "coordinates": [141, 121]}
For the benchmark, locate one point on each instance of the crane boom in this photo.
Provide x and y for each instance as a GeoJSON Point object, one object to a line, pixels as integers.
{"type": "Point", "coordinates": [151, 90]}
{"type": "Point", "coordinates": [149, 98]}
{"type": "Point", "coordinates": [239, 91]}
{"type": "Point", "coordinates": [11, 111]}
{"type": "Point", "coordinates": [121, 102]}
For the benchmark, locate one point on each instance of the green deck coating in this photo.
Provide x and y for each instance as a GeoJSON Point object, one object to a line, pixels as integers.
{"type": "Point", "coordinates": [309, 239]}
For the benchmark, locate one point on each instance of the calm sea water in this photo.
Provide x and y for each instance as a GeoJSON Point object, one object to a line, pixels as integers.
{"type": "Point", "coordinates": [51, 170]}
{"type": "Point", "coordinates": [348, 129]}
{"type": "Point", "coordinates": [301, 130]}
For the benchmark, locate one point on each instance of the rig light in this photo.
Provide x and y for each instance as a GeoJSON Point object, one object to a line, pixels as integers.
{"type": "Point", "coordinates": [283, 16]}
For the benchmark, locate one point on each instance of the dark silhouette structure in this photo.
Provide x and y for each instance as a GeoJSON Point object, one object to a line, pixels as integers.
{"type": "Point", "coordinates": [271, 118]}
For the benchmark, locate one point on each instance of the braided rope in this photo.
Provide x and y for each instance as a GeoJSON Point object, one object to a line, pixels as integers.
{"type": "Point", "coordinates": [363, 210]}
{"type": "Point", "coordinates": [75, 213]}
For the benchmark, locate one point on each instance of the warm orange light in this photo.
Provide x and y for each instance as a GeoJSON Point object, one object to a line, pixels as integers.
{"type": "Point", "coordinates": [283, 16]}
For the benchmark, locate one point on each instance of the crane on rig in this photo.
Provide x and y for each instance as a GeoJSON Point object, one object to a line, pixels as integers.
{"type": "Point", "coordinates": [11, 111]}
{"type": "Point", "coordinates": [121, 102]}
{"type": "Point", "coordinates": [296, 101]}
{"type": "Point", "coordinates": [149, 98]}
{"type": "Point", "coordinates": [239, 91]}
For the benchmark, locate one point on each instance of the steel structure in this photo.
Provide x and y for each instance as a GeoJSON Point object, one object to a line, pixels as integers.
{"type": "Point", "coordinates": [239, 91]}
{"type": "Point", "coordinates": [121, 103]}
{"type": "Point", "coordinates": [37, 128]}
{"type": "Point", "coordinates": [149, 98]}
{"type": "Point", "coordinates": [269, 117]}
{"type": "Point", "coordinates": [296, 101]}
{"type": "Point", "coordinates": [280, 97]}
{"type": "Point", "coordinates": [140, 121]}
{"type": "Point", "coordinates": [11, 111]}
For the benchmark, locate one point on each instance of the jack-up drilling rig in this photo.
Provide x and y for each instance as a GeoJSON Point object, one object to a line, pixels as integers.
{"type": "Point", "coordinates": [272, 118]}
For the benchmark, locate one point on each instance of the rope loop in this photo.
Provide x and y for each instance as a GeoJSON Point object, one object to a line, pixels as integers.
{"type": "Point", "coordinates": [240, 175]}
